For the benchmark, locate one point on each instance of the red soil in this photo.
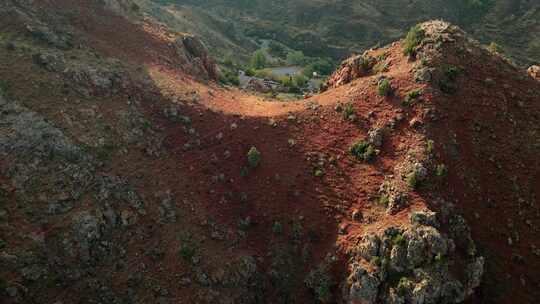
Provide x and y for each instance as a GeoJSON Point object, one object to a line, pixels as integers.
{"type": "Point", "coordinates": [284, 187]}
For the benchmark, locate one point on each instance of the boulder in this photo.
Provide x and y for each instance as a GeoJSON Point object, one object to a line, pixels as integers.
{"type": "Point", "coordinates": [534, 72]}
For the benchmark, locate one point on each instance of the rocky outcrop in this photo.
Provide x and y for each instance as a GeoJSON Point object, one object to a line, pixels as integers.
{"type": "Point", "coordinates": [534, 72]}
{"type": "Point", "coordinates": [195, 58]}
{"type": "Point", "coordinates": [412, 264]}
{"type": "Point", "coordinates": [349, 70]}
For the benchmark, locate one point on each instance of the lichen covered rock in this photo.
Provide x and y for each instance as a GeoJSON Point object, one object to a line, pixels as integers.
{"type": "Point", "coordinates": [410, 265]}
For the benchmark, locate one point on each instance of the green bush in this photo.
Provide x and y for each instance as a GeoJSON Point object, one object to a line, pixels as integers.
{"type": "Point", "coordinates": [229, 77]}
{"type": "Point", "coordinates": [384, 87]}
{"type": "Point", "coordinates": [188, 251]}
{"type": "Point", "coordinates": [430, 145]}
{"type": "Point", "coordinates": [447, 83]}
{"type": "Point", "coordinates": [441, 170]}
{"type": "Point", "coordinates": [348, 111]}
{"type": "Point", "coordinates": [412, 96]}
{"type": "Point", "coordinates": [362, 150]}
{"type": "Point", "coordinates": [254, 157]}
{"type": "Point", "coordinates": [296, 58]}
{"type": "Point", "coordinates": [412, 180]}
{"type": "Point", "coordinates": [300, 80]}
{"type": "Point", "coordinates": [258, 60]}
{"type": "Point", "coordinates": [403, 286]}
{"type": "Point", "coordinates": [413, 39]}
{"type": "Point", "coordinates": [399, 240]}
{"type": "Point", "coordinates": [320, 66]}
{"type": "Point", "coordinates": [276, 49]}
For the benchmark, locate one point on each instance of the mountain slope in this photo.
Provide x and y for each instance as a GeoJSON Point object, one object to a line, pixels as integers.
{"type": "Point", "coordinates": [126, 176]}
{"type": "Point", "coordinates": [337, 28]}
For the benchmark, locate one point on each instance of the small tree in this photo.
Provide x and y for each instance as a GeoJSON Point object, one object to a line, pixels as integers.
{"type": "Point", "coordinates": [413, 39]}
{"type": "Point", "coordinates": [254, 157]}
{"type": "Point", "coordinates": [258, 60]}
{"type": "Point", "coordinates": [295, 58]}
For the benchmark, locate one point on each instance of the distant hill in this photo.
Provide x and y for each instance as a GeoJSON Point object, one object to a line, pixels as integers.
{"type": "Point", "coordinates": [337, 28]}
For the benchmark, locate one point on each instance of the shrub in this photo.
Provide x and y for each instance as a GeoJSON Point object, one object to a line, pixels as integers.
{"type": "Point", "coordinates": [188, 251]}
{"type": "Point", "coordinates": [258, 60]}
{"type": "Point", "coordinates": [399, 240]}
{"type": "Point", "coordinates": [276, 49]}
{"type": "Point", "coordinates": [430, 145]}
{"type": "Point", "coordinates": [384, 87]}
{"type": "Point", "coordinates": [296, 58]}
{"type": "Point", "coordinates": [318, 172]}
{"type": "Point", "coordinates": [320, 282]}
{"type": "Point", "coordinates": [348, 111]}
{"type": "Point", "coordinates": [441, 170]}
{"type": "Point", "coordinates": [403, 286]}
{"type": "Point", "coordinates": [229, 77]}
{"type": "Point", "coordinates": [412, 96]}
{"type": "Point", "coordinates": [322, 66]}
{"type": "Point", "coordinates": [300, 80]}
{"type": "Point", "coordinates": [413, 39]}
{"type": "Point", "coordinates": [447, 83]}
{"type": "Point", "coordinates": [362, 150]}
{"type": "Point", "coordinates": [384, 200]}
{"type": "Point", "coordinates": [277, 228]}
{"type": "Point", "coordinates": [412, 180]}
{"type": "Point", "coordinates": [254, 157]}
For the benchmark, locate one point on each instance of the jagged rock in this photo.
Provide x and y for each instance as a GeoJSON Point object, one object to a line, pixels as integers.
{"type": "Point", "coordinates": [369, 247]}
{"type": "Point", "coordinates": [349, 70]}
{"type": "Point", "coordinates": [87, 231]}
{"type": "Point", "coordinates": [100, 80]}
{"type": "Point", "coordinates": [534, 72]}
{"type": "Point", "coordinates": [419, 255]}
{"type": "Point", "coordinates": [364, 286]}
{"type": "Point", "coordinates": [195, 58]}
{"type": "Point", "coordinates": [50, 61]}
{"type": "Point", "coordinates": [475, 270]}
{"type": "Point", "coordinates": [424, 218]}
{"type": "Point", "coordinates": [52, 37]}
{"type": "Point", "coordinates": [376, 136]}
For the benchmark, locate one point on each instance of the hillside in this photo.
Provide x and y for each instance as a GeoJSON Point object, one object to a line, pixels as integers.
{"type": "Point", "coordinates": [129, 175]}
{"type": "Point", "coordinates": [337, 28]}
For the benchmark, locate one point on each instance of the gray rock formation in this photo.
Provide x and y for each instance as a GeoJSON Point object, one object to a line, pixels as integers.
{"type": "Point", "coordinates": [410, 265]}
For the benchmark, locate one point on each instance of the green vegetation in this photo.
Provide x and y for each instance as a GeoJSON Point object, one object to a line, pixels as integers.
{"type": "Point", "coordinates": [277, 228]}
{"type": "Point", "coordinates": [384, 200]}
{"type": "Point", "coordinates": [385, 87]}
{"type": "Point", "coordinates": [362, 150]}
{"type": "Point", "coordinates": [229, 77]}
{"type": "Point", "coordinates": [495, 48]}
{"type": "Point", "coordinates": [349, 112]}
{"type": "Point", "coordinates": [296, 58]}
{"type": "Point", "coordinates": [412, 96]}
{"type": "Point", "coordinates": [188, 250]}
{"type": "Point", "coordinates": [399, 240]}
{"type": "Point", "coordinates": [447, 83]}
{"type": "Point", "coordinates": [430, 145]}
{"type": "Point", "coordinates": [254, 157]}
{"type": "Point", "coordinates": [403, 286]}
{"type": "Point", "coordinates": [413, 39]}
{"type": "Point", "coordinates": [258, 60]}
{"type": "Point", "coordinates": [412, 179]}
{"type": "Point", "coordinates": [244, 224]}
{"type": "Point", "coordinates": [441, 170]}
{"type": "Point", "coordinates": [321, 66]}
{"type": "Point", "coordinates": [276, 49]}
{"type": "Point", "coordinates": [320, 282]}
